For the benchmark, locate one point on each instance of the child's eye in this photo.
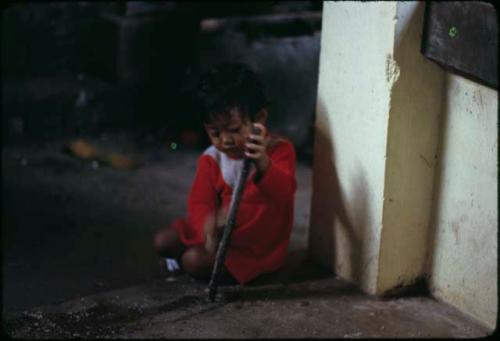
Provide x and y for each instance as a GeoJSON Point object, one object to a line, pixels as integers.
{"type": "Point", "coordinates": [235, 130]}
{"type": "Point", "coordinates": [214, 133]}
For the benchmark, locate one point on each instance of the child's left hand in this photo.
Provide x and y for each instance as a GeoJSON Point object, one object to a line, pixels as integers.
{"type": "Point", "coordinates": [256, 149]}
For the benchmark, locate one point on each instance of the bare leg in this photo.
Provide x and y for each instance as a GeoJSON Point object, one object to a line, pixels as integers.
{"type": "Point", "coordinates": [194, 260]}
{"type": "Point", "coordinates": [168, 244]}
{"type": "Point", "coordinates": [197, 261]}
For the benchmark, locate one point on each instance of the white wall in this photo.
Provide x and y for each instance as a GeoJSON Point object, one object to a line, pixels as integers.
{"type": "Point", "coordinates": [412, 139]}
{"type": "Point", "coordinates": [464, 262]}
{"type": "Point", "coordinates": [350, 137]}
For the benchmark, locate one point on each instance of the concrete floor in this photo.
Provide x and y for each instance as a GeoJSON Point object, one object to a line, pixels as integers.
{"type": "Point", "coordinates": [320, 306]}
{"type": "Point", "coordinates": [77, 262]}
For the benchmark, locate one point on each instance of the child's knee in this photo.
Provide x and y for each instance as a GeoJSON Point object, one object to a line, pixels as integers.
{"type": "Point", "coordinates": [167, 243]}
{"type": "Point", "coordinates": [196, 261]}
{"type": "Point", "coordinates": [160, 239]}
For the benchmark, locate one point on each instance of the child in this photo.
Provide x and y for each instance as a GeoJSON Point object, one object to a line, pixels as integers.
{"type": "Point", "coordinates": [230, 99]}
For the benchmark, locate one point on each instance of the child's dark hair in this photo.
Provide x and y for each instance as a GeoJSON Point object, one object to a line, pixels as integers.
{"type": "Point", "coordinates": [229, 86]}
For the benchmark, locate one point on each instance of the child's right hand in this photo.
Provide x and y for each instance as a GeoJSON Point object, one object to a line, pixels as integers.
{"type": "Point", "coordinates": [214, 227]}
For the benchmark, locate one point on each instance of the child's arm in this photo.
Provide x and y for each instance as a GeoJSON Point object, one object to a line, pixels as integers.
{"type": "Point", "coordinates": [213, 228]}
{"type": "Point", "coordinates": [275, 175]}
{"type": "Point", "coordinates": [202, 201]}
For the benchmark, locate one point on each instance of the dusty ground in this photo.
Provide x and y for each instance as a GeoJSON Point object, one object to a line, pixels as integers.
{"type": "Point", "coordinates": [72, 227]}
{"type": "Point", "coordinates": [77, 261]}
{"type": "Point", "coordinates": [318, 307]}
{"type": "Point", "coordinates": [302, 307]}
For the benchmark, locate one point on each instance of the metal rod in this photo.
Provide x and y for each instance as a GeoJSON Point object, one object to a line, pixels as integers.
{"type": "Point", "coordinates": [229, 226]}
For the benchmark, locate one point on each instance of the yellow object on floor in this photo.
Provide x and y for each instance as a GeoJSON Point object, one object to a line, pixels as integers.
{"type": "Point", "coordinates": [86, 151]}
{"type": "Point", "coordinates": [82, 149]}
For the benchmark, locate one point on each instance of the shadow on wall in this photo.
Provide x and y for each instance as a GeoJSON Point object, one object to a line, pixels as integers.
{"type": "Point", "coordinates": [329, 213]}
{"type": "Point", "coordinates": [437, 188]}
{"type": "Point", "coordinates": [358, 231]}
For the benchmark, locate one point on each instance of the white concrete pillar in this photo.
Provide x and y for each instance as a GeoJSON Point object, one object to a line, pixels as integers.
{"type": "Point", "coordinates": [405, 162]}
{"type": "Point", "coordinates": [354, 88]}
{"type": "Point", "coordinates": [376, 136]}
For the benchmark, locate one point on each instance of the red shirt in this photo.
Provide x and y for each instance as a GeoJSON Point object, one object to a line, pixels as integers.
{"type": "Point", "coordinates": [264, 221]}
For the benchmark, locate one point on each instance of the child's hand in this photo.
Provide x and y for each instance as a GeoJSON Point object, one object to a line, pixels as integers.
{"type": "Point", "coordinates": [214, 226]}
{"type": "Point", "coordinates": [256, 149]}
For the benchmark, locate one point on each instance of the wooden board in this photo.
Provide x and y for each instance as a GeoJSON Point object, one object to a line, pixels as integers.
{"type": "Point", "coordinates": [462, 38]}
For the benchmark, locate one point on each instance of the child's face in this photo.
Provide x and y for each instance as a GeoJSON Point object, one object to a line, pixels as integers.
{"type": "Point", "coordinates": [229, 134]}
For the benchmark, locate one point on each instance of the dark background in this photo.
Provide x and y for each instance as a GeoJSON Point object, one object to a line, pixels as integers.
{"type": "Point", "coordinates": [118, 76]}
{"type": "Point", "coordinates": [83, 68]}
